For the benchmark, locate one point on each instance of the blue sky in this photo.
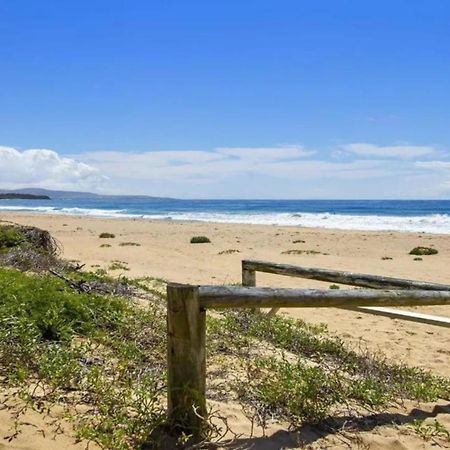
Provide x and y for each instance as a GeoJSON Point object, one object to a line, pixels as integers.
{"type": "Point", "coordinates": [287, 99]}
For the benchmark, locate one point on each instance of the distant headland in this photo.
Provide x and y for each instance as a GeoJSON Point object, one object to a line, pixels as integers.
{"type": "Point", "coordinates": [47, 194]}
{"type": "Point", "coordinates": [15, 196]}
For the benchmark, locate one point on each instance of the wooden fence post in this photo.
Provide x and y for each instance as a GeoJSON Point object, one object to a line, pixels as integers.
{"type": "Point", "coordinates": [249, 279]}
{"type": "Point", "coordinates": [186, 357]}
{"type": "Point", "coordinates": [248, 276]}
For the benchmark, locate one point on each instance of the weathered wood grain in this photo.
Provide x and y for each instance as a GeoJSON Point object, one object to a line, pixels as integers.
{"type": "Point", "coordinates": [340, 277]}
{"type": "Point", "coordinates": [254, 297]}
{"type": "Point", "coordinates": [411, 316]}
{"type": "Point", "coordinates": [186, 355]}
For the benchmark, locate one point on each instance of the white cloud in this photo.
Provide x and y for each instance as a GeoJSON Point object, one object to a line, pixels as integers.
{"type": "Point", "coordinates": [264, 172]}
{"type": "Point", "coordinates": [266, 154]}
{"type": "Point", "coordinates": [194, 166]}
{"type": "Point", "coordinates": [433, 164]}
{"type": "Point", "coordinates": [393, 151]}
{"type": "Point", "coordinates": [45, 168]}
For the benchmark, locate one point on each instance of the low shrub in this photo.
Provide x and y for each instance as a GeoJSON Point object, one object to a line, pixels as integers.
{"type": "Point", "coordinates": [200, 240]}
{"type": "Point", "coordinates": [420, 251]}
{"type": "Point", "coordinates": [229, 251]}
{"type": "Point", "coordinates": [118, 265]}
{"type": "Point", "coordinates": [302, 252]}
{"type": "Point", "coordinates": [10, 237]}
{"type": "Point", "coordinates": [107, 236]}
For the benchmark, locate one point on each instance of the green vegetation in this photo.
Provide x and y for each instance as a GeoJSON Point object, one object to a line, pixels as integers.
{"type": "Point", "coordinates": [435, 431]}
{"type": "Point", "coordinates": [386, 258]}
{"type": "Point", "coordinates": [302, 252]}
{"type": "Point", "coordinates": [10, 237]}
{"type": "Point", "coordinates": [229, 251]}
{"type": "Point", "coordinates": [420, 251]}
{"type": "Point", "coordinates": [299, 241]}
{"type": "Point", "coordinates": [311, 374]}
{"type": "Point", "coordinates": [200, 240]}
{"type": "Point", "coordinates": [106, 235]}
{"type": "Point", "coordinates": [95, 347]}
{"type": "Point", "coordinates": [118, 265]}
{"type": "Point", "coordinates": [28, 248]}
{"type": "Point", "coordinates": [103, 350]}
{"type": "Point", "coordinates": [334, 286]}
{"type": "Point", "coordinates": [105, 245]}
{"type": "Point", "coordinates": [129, 244]}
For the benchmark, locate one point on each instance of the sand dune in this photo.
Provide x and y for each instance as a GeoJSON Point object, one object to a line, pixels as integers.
{"type": "Point", "coordinates": [164, 251]}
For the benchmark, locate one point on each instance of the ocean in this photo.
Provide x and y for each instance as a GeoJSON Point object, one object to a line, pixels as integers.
{"type": "Point", "coordinates": [431, 216]}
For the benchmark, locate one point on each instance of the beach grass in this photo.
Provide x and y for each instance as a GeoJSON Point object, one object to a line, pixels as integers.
{"type": "Point", "coordinates": [95, 347]}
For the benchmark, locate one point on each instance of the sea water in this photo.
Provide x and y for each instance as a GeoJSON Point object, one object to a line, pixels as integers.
{"type": "Point", "coordinates": [431, 216]}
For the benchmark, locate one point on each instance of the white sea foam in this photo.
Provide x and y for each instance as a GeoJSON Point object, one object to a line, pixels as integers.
{"type": "Point", "coordinates": [432, 223]}
{"type": "Point", "coordinates": [94, 212]}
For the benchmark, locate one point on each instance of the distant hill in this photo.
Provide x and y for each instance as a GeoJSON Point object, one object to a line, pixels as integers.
{"type": "Point", "coordinates": [21, 196]}
{"type": "Point", "coordinates": [72, 194]}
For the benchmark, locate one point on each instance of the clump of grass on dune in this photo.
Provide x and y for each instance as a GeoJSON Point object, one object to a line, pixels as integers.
{"type": "Point", "coordinates": [9, 237]}
{"type": "Point", "coordinates": [302, 252]}
{"type": "Point", "coordinates": [106, 236]}
{"type": "Point", "coordinates": [200, 240]}
{"type": "Point", "coordinates": [29, 248]}
{"type": "Point", "coordinates": [420, 251]}
{"type": "Point", "coordinates": [104, 350]}
{"type": "Point", "coordinates": [307, 374]}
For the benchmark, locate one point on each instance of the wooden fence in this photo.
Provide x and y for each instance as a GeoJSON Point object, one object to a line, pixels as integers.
{"type": "Point", "coordinates": [249, 269]}
{"type": "Point", "coordinates": [186, 318]}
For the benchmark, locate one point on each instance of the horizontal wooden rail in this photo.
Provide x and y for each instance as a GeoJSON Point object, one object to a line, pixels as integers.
{"type": "Point", "coordinates": [187, 330]}
{"type": "Point", "coordinates": [340, 277]}
{"type": "Point", "coordinates": [254, 297]}
{"type": "Point", "coordinates": [403, 315]}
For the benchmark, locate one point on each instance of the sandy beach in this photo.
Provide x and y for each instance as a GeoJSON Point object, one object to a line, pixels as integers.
{"type": "Point", "coordinates": [165, 251]}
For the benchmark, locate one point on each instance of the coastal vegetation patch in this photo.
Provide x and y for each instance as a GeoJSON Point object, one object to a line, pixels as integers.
{"type": "Point", "coordinates": [106, 236]}
{"type": "Point", "coordinates": [95, 348]}
{"type": "Point", "coordinates": [421, 251]}
{"type": "Point", "coordinates": [118, 265]}
{"type": "Point", "coordinates": [200, 240]}
{"type": "Point", "coordinates": [229, 251]}
{"type": "Point", "coordinates": [302, 252]}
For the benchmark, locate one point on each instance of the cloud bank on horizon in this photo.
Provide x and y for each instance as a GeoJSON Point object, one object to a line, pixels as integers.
{"type": "Point", "coordinates": [355, 170]}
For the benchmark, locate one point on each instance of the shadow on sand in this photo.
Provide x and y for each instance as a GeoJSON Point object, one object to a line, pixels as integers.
{"type": "Point", "coordinates": [308, 434]}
